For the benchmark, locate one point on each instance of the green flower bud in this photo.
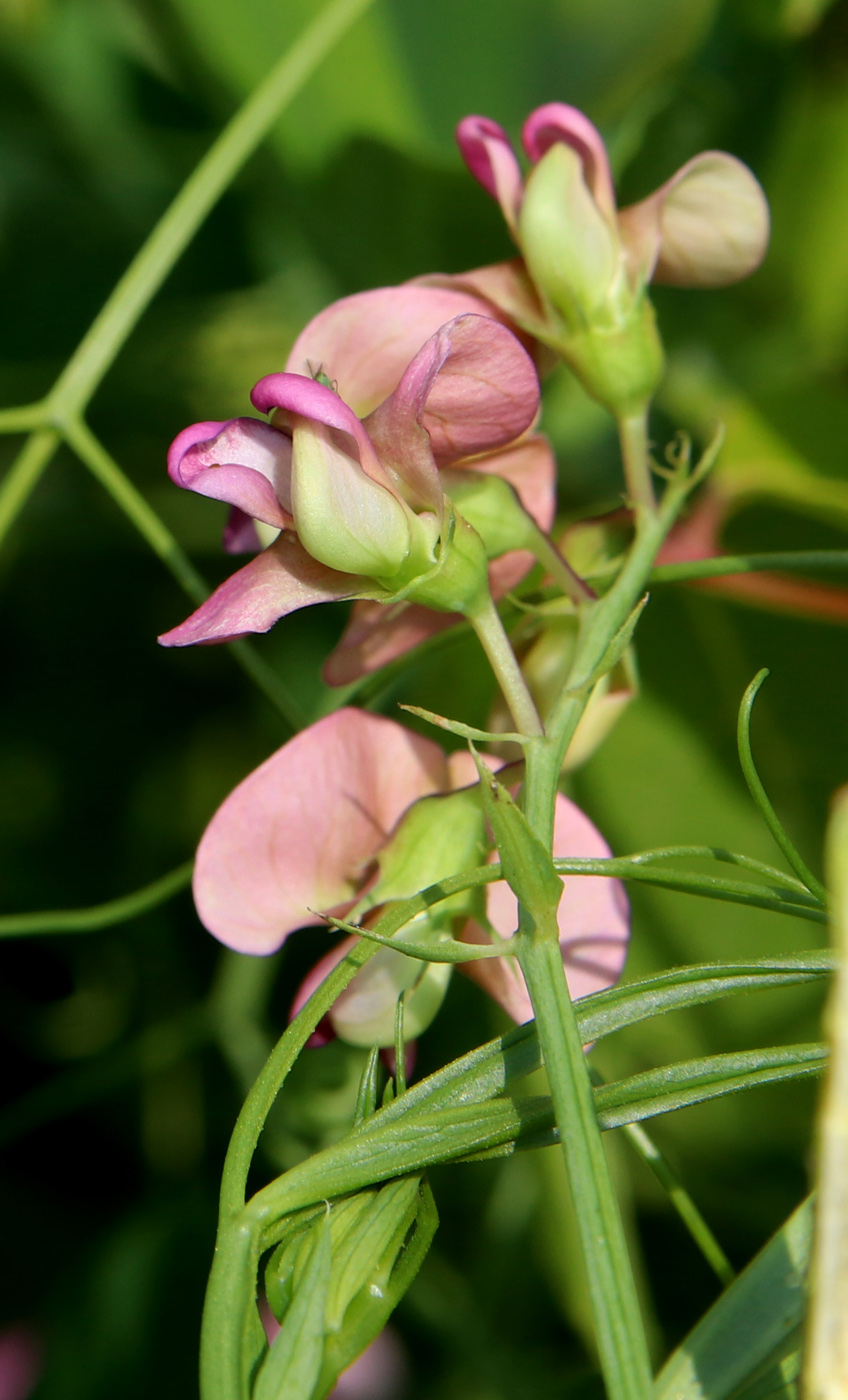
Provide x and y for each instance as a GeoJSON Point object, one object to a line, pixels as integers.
{"type": "Point", "coordinates": [572, 253]}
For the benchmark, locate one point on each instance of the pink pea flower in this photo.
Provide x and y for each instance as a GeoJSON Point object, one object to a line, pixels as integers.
{"type": "Point", "coordinates": [382, 391]}
{"type": "Point", "coordinates": [305, 833]}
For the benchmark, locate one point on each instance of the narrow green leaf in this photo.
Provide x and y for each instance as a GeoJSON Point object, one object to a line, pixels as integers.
{"type": "Point", "coordinates": [293, 1364]}
{"type": "Point", "coordinates": [464, 731]}
{"type": "Point", "coordinates": [751, 1322]}
{"type": "Point", "coordinates": [758, 792]}
{"type": "Point", "coordinates": [526, 864]}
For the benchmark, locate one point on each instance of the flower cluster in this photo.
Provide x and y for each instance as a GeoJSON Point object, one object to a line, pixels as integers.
{"type": "Point", "coordinates": [397, 464]}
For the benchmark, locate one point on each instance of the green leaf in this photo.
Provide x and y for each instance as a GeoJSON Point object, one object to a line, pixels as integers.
{"type": "Point", "coordinates": [526, 864]}
{"type": "Point", "coordinates": [293, 1364]}
{"type": "Point", "coordinates": [752, 1328]}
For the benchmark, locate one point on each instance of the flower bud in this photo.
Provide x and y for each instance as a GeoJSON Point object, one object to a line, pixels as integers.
{"type": "Point", "coordinates": [571, 250]}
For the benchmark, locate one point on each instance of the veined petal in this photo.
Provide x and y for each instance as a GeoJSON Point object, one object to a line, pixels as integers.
{"type": "Point", "coordinates": [530, 467]}
{"type": "Point", "coordinates": [472, 386]}
{"type": "Point", "coordinates": [593, 917]}
{"type": "Point", "coordinates": [244, 462]}
{"type": "Point", "coordinates": [487, 151]}
{"type": "Point", "coordinates": [707, 226]}
{"type": "Point", "coordinates": [296, 835]}
{"type": "Point", "coordinates": [365, 342]}
{"type": "Point", "coordinates": [278, 581]}
{"type": "Point", "coordinates": [557, 121]}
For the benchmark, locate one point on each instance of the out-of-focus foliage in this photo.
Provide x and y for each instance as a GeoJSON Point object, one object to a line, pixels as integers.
{"type": "Point", "coordinates": [113, 754]}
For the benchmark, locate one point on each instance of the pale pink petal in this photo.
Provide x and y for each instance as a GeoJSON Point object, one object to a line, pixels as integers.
{"type": "Point", "coordinates": [245, 462]}
{"type": "Point", "coordinates": [473, 387]}
{"type": "Point", "coordinates": [240, 535]}
{"type": "Point", "coordinates": [297, 834]}
{"type": "Point", "coordinates": [487, 151]}
{"type": "Point", "coordinates": [364, 342]}
{"type": "Point", "coordinates": [557, 121]}
{"type": "Point", "coordinates": [593, 919]}
{"type": "Point", "coordinates": [378, 633]}
{"type": "Point", "coordinates": [707, 226]}
{"type": "Point", "coordinates": [506, 287]}
{"type": "Point", "coordinates": [306, 398]}
{"type": "Point", "coordinates": [529, 466]}
{"type": "Point", "coordinates": [277, 582]}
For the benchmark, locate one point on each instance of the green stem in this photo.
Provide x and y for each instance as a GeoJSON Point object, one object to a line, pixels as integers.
{"type": "Point", "coordinates": [689, 1213]}
{"type": "Point", "coordinates": [560, 570]}
{"type": "Point", "coordinates": [24, 475]}
{"type": "Point", "coordinates": [633, 436]}
{"type": "Point", "coordinates": [94, 455]}
{"type": "Point", "coordinates": [204, 187]}
{"type": "Point", "coordinates": [490, 630]}
{"type": "Point", "coordinates": [826, 1352]}
{"type": "Point", "coordinates": [622, 1345]}
{"type": "Point", "coordinates": [22, 420]}
{"type": "Point", "coordinates": [615, 1306]}
{"type": "Point", "coordinates": [116, 911]}
{"type": "Point", "coordinates": [794, 561]}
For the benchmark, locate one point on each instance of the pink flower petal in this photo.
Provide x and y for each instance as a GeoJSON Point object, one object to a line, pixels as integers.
{"type": "Point", "coordinates": [244, 462]}
{"type": "Point", "coordinates": [557, 121]}
{"type": "Point", "coordinates": [296, 835]}
{"type": "Point", "coordinates": [306, 398]}
{"type": "Point", "coordinates": [472, 386]}
{"type": "Point", "coordinates": [487, 151]}
{"type": "Point", "coordinates": [707, 226]}
{"type": "Point", "coordinates": [593, 918]}
{"type": "Point", "coordinates": [277, 582]}
{"type": "Point", "coordinates": [377, 633]}
{"type": "Point", "coordinates": [365, 342]}
{"type": "Point", "coordinates": [505, 287]}
{"type": "Point", "coordinates": [240, 535]}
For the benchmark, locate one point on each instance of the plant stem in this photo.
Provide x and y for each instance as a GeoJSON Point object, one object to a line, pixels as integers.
{"type": "Point", "coordinates": [633, 436]}
{"type": "Point", "coordinates": [615, 1307]}
{"type": "Point", "coordinates": [682, 1202]}
{"type": "Point", "coordinates": [622, 1345]}
{"type": "Point", "coordinates": [204, 187]}
{"type": "Point", "coordinates": [23, 419]}
{"type": "Point", "coordinates": [826, 1352]}
{"type": "Point", "coordinates": [116, 911]}
{"type": "Point", "coordinates": [559, 568]}
{"type": "Point", "coordinates": [24, 475]}
{"type": "Point", "coordinates": [489, 628]}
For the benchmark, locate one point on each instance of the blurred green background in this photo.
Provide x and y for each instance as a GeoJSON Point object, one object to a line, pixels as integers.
{"type": "Point", "coordinates": [114, 753]}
